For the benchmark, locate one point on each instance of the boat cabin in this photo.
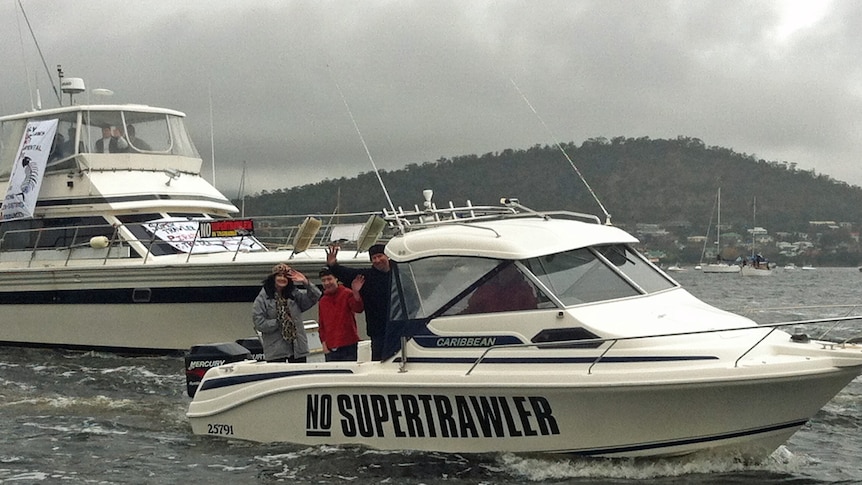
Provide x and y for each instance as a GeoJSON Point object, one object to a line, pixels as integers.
{"type": "Point", "coordinates": [528, 265]}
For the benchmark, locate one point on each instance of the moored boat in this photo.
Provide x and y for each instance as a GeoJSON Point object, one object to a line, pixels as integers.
{"type": "Point", "coordinates": [719, 266]}
{"type": "Point", "coordinates": [603, 355]}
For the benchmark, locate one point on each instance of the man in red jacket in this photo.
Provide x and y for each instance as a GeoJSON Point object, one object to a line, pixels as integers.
{"type": "Point", "coordinates": [338, 332]}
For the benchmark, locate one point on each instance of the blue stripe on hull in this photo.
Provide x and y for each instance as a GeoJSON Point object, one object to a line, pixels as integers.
{"type": "Point", "coordinates": [685, 441]}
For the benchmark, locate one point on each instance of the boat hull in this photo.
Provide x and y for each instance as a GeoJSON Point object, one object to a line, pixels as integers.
{"type": "Point", "coordinates": [134, 308]}
{"type": "Point", "coordinates": [721, 268]}
{"type": "Point", "coordinates": [752, 271]}
{"type": "Point", "coordinates": [581, 414]}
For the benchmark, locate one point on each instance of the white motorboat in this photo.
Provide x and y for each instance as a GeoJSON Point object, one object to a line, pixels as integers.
{"type": "Point", "coordinates": [111, 257]}
{"type": "Point", "coordinates": [675, 268]}
{"type": "Point", "coordinates": [517, 331]}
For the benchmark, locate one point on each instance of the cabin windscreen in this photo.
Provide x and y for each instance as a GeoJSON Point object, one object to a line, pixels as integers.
{"type": "Point", "coordinates": [135, 132]}
{"type": "Point", "coordinates": [101, 132]}
{"type": "Point", "coordinates": [596, 274]}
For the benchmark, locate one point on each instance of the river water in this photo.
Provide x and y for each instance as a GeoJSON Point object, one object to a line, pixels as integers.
{"type": "Point", "coordinates": [74, 417]}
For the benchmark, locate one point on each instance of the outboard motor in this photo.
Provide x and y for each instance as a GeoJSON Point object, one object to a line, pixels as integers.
{"type": "Point", "coordinates": [202, 358]}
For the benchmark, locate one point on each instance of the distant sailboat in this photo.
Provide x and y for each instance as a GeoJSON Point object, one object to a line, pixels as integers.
{"type": "Point", "coordinates": [756, 264]}
{"type": "Point", "coordinates": [719, 266]}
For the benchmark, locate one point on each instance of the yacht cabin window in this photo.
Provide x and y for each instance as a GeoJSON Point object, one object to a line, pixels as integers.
{"type": "Point", "coordinates": [80, 131]}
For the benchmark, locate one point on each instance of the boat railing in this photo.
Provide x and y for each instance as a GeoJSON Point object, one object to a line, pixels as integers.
{"type": "Point", "coordinates": [431, 215]}
{"type": "Point", "coordinates": [131, 240]}
{"type": "Point", "coordinates": [846, 309]}
{"type": "Point", "coordinates": [769, 329]}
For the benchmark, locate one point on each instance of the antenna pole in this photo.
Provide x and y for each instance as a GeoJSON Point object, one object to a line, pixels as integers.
{"type": "Point", "coordinates": [212, 136]}
{"type": "Point", "coordinates": [590, 189]}
{"type": "Point", "coordinates": [60, 78]}
{"type": "Point", "coordinates": [33, 35]}
{"type": "Point", "coordinates": [365, 145]}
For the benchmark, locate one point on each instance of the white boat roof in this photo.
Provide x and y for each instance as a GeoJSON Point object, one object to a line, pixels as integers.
{"type": "Point", "coordinates": [141, 108]}
{"type": "Point", "coordinates": [512, 238]}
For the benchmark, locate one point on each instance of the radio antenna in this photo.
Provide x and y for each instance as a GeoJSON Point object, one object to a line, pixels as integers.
{"type": "Point", "coordinates": [584, 180]}
{"type": "Point", "coordinates": [33, 35]}
{"type": "Point", "coordinates": [364, 145]}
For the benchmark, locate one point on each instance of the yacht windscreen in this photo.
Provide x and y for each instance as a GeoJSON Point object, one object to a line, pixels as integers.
{"type": "Point", "coordinates": [135, 132]}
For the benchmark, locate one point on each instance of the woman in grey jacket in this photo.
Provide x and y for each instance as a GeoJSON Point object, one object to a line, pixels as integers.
{"type": "Point", "coordinates": [277, 314]}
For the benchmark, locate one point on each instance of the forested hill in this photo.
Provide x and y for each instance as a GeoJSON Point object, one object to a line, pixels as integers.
{"type": "Point", "coordinates": [639, 180]}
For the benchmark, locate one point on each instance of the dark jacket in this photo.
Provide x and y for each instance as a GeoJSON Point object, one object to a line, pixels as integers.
{"type": "Point", "coordinates": [376, 294]}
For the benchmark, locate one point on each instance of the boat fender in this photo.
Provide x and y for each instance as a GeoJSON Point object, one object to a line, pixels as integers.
{"type": "Point", "coordinates": [99, 242]}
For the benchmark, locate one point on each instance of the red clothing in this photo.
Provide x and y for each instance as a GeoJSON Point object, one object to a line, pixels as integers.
{"type": "Point", "coordinates": [337, 324]}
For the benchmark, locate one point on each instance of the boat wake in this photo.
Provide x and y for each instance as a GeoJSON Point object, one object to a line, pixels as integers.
{"type": "Point", "coordinates": [781, 462]}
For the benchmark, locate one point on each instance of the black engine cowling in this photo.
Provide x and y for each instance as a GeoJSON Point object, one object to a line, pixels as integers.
{"type": "Point", "coordinates": [203, 357]}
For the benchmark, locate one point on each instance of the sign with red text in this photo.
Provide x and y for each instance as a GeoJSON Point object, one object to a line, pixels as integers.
{"type": "Point", "coordinates": [182, 234]}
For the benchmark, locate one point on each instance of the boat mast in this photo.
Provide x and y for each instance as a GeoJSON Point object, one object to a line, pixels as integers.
{"type": "Point", "coordinates": [753, 224]}
{"type": "Point", "coordinates": [718, 226]}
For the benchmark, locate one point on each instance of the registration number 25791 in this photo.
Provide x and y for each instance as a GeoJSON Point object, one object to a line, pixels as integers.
{"type": "Point", "coordinates": [220, 429]}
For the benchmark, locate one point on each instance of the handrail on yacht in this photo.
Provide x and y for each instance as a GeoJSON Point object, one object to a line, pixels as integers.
{"type": "Point", "coordinates": [771, 327]}
{"type": "Point", "coordinates": [273, 232]}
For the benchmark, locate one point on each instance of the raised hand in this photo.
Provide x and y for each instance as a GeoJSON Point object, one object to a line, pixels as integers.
{"type": "Point", "coordinates": [332, 254]}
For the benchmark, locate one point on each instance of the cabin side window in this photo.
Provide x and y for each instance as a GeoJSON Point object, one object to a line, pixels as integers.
{"type": "Point", "coordinates": [504, 289]}
{"type": "Point", "coordinates": [29, 234]}
{"type": "Point", "coordinates": [453, 285]}
{"type": "Point", "coordinates": [11, 133]}
{"type": "Point", "coordinates": [63, 148]}
{"type": "Point", "coordinates": [427, 286]}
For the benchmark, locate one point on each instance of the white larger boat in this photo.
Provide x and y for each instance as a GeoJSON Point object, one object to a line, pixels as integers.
{"type": "Point", "coordinates": [517, 331]}
{"type": "Point", "coordinates": [111, 257]}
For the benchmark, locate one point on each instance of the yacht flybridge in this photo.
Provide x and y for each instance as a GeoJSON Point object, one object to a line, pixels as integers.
{"type": "Point", "coordinates": [100, 240]}
{"type": "Point", "coordinates": [518, 331]}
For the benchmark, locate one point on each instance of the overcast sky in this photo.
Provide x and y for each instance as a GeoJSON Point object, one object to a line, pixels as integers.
{"type": "Point", "coordinates": [431, 79]}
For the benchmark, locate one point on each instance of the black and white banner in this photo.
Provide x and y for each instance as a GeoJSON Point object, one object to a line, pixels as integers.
{"type": "Point", "coordinates": [26, 177]}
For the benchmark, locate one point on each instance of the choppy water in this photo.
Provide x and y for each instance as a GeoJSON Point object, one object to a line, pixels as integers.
{"type": "Point", "coordinates": [71, 417]}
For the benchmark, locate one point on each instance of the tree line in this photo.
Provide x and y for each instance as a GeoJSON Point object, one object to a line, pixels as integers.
{"type": "Point", "coordinates": [638, 180]}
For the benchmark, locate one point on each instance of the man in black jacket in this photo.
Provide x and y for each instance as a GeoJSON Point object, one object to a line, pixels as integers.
{"type": "Point", "coordinates": [376, 292]}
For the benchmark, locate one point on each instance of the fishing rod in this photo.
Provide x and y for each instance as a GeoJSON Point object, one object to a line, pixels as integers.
{"type": "Point", "coordinates": [565, 154]}
{"type": "Point", "coordinates": [39, 49]}
{"type": "Point", "coordinates": [365, 145]}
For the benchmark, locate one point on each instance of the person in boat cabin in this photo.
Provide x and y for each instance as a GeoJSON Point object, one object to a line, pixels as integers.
{"type": "Point", "coordinates": [112, 140]}
{"type": "Point", "coordinates": [376, 291]}
{"type": "Point", "coordinates": [338, 332]}
{"type": "Point", "coordinates": [277, 314]}
{"type": "Point", "coordinates": [68, 147]}
{"type": "Point", "coordinates": [136, 142]}
{"type": "Point", "coordinates": [57, 148]}
{"type": "Point", "coordinates": [506, 291]}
